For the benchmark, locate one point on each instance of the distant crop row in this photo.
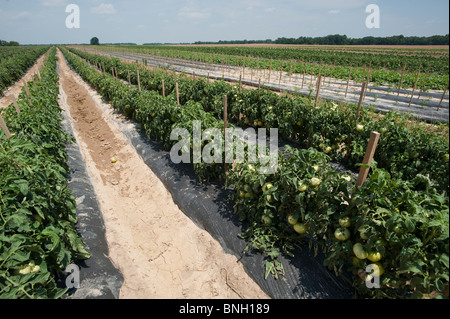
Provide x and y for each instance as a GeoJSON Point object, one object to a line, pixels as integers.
{"type": "Point", "coordinates": [392, 61]}
{"type": "Point", "coordinates": [14, 62]}
{"type": "Point", "coordinates": [384, 69]}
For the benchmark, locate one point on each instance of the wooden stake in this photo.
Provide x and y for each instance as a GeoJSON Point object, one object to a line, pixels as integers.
{"type": "Point", "coordinates": [415, 86]}
{"type": "Point", "coordinates": [225, 122]}
{"type": "Point", "coordinates": [16, 106]}
{"type": "Point", "coordinates": [422, 88]}
{"type": "Point", "coordinates": [364, 75]}
{"type": "Point", "coordinates": [319, 81]}
{"type": "Point", "coordinates": [348, 81]}
{"type": "Point", "coordinates": [163, 89]}
{"type": "Point", "coordinates": [443, 96]}
{"type": "Point", "coordinates": [4, 127]}
{"type": "Point", "coordinates": [270, 70]}
{"type": "Point", "coordinates": [361, 98]}
{"type": "Point", "coordinates": [367, 87]}
{"type": "Point", "coordinates": [304, 74]}
{"type": "Point", "coordinates": [178, 93]}
{"type": "Point", "coordinates": [139, 80]}
{"type": "Point", "coordinates": [370, 153]}
{"type": "Point", "coordinates": [27, 91]}
{"type": "Point", "coordinates": [281, 72]}
{"type": "Point", "coordinates": [401, 80]}
{"type": "Point", "coordinates": [240, 83]}
{"type": "Point", "coordinates": [129, 78]}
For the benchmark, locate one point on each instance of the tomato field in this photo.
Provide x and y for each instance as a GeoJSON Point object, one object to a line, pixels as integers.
{"type": "Point", "coordinates": [398, 220]}
{"type": "Point", "coordinates": [401, 213]}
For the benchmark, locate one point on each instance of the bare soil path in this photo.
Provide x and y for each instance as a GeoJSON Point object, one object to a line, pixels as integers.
{"type": "Point", "coordinates": [161, 253]}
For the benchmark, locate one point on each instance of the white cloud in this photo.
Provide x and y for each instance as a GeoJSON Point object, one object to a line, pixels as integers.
{"type": "Point", "coordinates": [104, 9]}
{"type": "Point", "coordinates": [53, 3]}
{"type": "Point", "coordinates": [268, 10]}
{"type": "Point", "coordinates": [22, 15]}
{"type": "Point", "coordinates": [191, 11]}
{"type": "Point", "coordinates": [334, 11]}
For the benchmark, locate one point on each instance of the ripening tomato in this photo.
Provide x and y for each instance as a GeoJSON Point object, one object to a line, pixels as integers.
{"type": "Point", "coordinates": [374, 256]}
{"type": "Point", "coordinates": [345, 222]}
{"type": "Point", "coordinates": [267, 187]}
{"type": "Point", "coordinates": [359, 251]}
{"type": "Point", "coordinates": [300, 228]}
{"type": "Point", "coordinates": [292, 219]}
{"type": "Point", "coordinates": [315, 182]}
{"type": "Point", "coordinates": [342, 234]}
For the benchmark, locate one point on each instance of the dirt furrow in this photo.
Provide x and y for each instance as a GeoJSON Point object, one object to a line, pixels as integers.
{"type": "Point", "coordinates": [159, 250]}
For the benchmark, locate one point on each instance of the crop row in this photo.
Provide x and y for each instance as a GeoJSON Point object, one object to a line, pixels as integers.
{"type": "Point", "coordinates": [38, 239]}
{"type": "Point", "coordinates": [381, 74]}
{"type": "Point", "coordinates": [16, 62]}
{"type": "Point", "coordinates": [405, 150]}
{"type": "Point", "coordinates": [400, 225]}
{"type": "Point", "coordinates": [391, 61]}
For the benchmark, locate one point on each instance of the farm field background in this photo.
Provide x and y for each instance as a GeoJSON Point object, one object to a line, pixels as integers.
{"type": "Point", "coordinates": [422, 93]}
{"type": "Point", "coordinates": [237, 171]}
{"type": "Point", "coordinates": [415, 154]}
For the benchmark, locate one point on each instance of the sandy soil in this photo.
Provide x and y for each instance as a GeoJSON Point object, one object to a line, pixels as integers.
{"type": "Point", "coordinates": [160, 251]}
{"type": "Point", "coordinates": [16, 89]}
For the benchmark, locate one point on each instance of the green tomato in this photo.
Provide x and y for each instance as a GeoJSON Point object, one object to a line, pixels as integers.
{"type": "Point", "coordinates": [300, 228]}
{"type": "Point", "coordinates": [347, 178]}
{"type": "Point", "coordinates": [345, 222]}
{"type": "Point", "coordinates": [380, 271]}
{"type": "Point", "coordinates": [362, 234]}
{"type": "Point", "coordinates": [302, 188]}
{"type": "Point", "coordinates": [267, 187]}
{"type": "Point", "coordinates": [374, 256]}
{"type": "Point", "coordinates": [342, 234]}
{"type": "Point", "coordinates": [292, 219]}
{"type": "Point", "coordinates": [315, 182]}
{"type": "Point", "coordinates": [359, 251]}
{"type": "Point", "coordinates": [360, 127]}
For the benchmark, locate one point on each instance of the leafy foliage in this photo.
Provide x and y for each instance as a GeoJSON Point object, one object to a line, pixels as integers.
{"type": "Point", "coordinates": [401, 212]}
{"type": "Point", "coordinates": [38, 239]}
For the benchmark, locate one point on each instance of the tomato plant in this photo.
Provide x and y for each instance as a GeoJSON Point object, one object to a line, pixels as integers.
{"type": "Point", "coordinates": [38, 239]}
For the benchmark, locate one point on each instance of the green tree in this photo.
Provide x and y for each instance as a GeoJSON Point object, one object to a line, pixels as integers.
{"type": "Point", "coordinates": [95, 41]}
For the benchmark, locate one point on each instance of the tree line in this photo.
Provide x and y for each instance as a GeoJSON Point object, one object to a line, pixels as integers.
{"type": "Point", "coordinates": [4, 43]}
{"type": "Point", "coordinates": [344, 40]}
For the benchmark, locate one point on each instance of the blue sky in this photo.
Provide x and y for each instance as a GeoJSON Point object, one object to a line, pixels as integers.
{"type": "Point", "coordinates": [175, 21]}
